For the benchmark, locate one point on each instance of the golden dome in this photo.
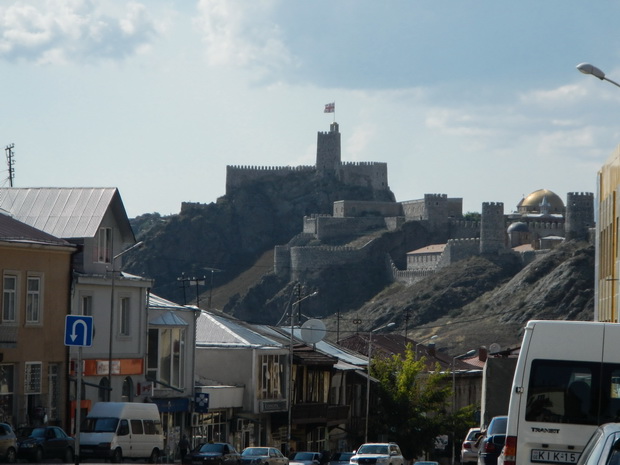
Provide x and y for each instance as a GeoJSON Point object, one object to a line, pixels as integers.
{"type": "Point", "coordinates": [541, 200]}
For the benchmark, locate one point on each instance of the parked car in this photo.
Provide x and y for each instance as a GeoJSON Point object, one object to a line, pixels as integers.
{"type": "Point", "coordinates": [380, 453]}
{"type": "Point", "coordinates": [492, 441]}
{"type": "Point", "coordinates": [469, 449]}
{"type": "Point", "coordinates": [340, 458]}
{"type": "Point", "coordinates": [602, 448]}
{"type": "Point", "coordinates": [213, 453]}
{"type": "Point", "coordinates": [8, 443]}
{"type": "Point", "coordinates": [263, 456]}
{"type": "Point", "coordinates": [45, 442]}
{"type": "Point", "coordinates": [305, 458]}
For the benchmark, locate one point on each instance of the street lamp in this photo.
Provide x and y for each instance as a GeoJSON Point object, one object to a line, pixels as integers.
{"type": "Point", "coordinates": [389, 325]}
{"type": "Point", "coordinates": [432, 338]}
{"type": "Point", "coordinates": [587, 68]}
{"type": "Point", "coordinates": [137, 244]}
{"type": "Point", "coordinates": [471, 353]}
{"type": "Point", "coordinates": [290, 371]}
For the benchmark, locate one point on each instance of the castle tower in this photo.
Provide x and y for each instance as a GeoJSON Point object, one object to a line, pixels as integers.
{"type": "Point", "coordinates": [328, 150]}
{"type": "Point", "coordinates": [492, 228]}
{"type": "Point", "coordinates": [579, 215]}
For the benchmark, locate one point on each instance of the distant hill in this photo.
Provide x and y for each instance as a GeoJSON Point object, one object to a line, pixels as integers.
{"type": "Point", "coordinates": [473, 302]}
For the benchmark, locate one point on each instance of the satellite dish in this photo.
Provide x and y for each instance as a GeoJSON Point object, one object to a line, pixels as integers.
{"type": "Point", "coordinates": [312, 331]}
{"type": "Point", "coordinates": [494, 348]}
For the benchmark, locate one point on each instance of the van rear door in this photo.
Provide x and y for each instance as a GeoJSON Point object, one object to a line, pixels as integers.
{"type": "Point", "coordinates": [558, 368]}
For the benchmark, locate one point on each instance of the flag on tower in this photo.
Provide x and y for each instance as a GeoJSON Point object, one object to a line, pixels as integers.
{"type": "Point", "coordinates": [330, 107]}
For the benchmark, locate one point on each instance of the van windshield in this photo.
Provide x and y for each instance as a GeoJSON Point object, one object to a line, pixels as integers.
{"type": "Point", "coordinates": [99, 425]}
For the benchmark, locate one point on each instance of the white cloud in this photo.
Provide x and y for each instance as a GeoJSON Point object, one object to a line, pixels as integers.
{"type": "Point", "coordinates": [243, 34]}
{"type": "Point", "coordinates": [57, 31]}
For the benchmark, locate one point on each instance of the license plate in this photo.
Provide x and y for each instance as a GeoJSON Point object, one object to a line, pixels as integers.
{"type": "Point", "coordinates": [554, 456]}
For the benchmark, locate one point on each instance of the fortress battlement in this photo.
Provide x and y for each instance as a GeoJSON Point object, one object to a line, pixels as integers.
{"type": "Point", "coordinates": [465, 224]}
{"type": "Point", "coordinates": [435, 196]}
{"type": "Point", "coordinates": [363, 163]}
{"type": "Point", "coordinates": [463, 242]}
{"type": "Point", "coordinates": [582, 194]}
{"type": "Point", "coordinates": [270, 168]}
{"type": "Point", "coordinates": [493, 204]}
{"type": "Point", "coordinates": [546, 225]}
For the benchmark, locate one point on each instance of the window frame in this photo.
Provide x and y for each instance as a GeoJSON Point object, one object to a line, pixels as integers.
{"type": "Point", "coordinates": [15, 297]}
{"type": "Point", "coordinates": [34, 316]}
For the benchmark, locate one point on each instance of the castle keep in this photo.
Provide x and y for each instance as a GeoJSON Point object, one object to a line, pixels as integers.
{"type": "Point", "coordinates": [328, 163]}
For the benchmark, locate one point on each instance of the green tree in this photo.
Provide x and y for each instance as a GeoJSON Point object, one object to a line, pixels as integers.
{"type": "Point", "coordinates": [414, 404]}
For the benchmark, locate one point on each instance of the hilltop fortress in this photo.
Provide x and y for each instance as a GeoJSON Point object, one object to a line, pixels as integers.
{"type": "Point", "coordinates": [541, 221]}
{"type": "Point", "coordinates": [328, 163]}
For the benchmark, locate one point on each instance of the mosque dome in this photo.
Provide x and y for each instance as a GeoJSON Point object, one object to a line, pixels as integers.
{"type": "Point", "coordinates": [541, 201]}
{"type": "Point", "coordinates": [518, 226]}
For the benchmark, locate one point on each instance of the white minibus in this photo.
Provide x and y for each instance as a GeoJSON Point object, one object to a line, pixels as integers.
{"type": "Point", "coordinates": [114, 430]}
{"type": "Point", "coordinates": [565, 385]}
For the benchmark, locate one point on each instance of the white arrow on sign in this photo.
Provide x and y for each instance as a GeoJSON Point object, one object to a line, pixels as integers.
{"type": "Point", "coordinates": [74, 335]}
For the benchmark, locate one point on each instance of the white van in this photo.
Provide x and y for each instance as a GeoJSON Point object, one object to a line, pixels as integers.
{"type": "Point", "coordinates": [565, 385]}
{"type": "Point", "coordinates": [113, 430]}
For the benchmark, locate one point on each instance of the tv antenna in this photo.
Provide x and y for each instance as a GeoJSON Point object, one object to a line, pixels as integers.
{"type": "Point", "coordinates": [9, 160]}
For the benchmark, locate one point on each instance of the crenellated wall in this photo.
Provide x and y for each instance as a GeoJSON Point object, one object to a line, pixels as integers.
{"type": "Point", "coordinates": [492, 228]}
{"type": "Point", "coordinates": [462, 229]}
{"type": "Point", "coordinates": [365, 174]}
{"type": "Point", "coordinates": [353, 208]}
{"type": "Point", "coordinates": [579, 214]}
{"type": "Point", "coordinates": [459, 249]}
{"type": "Point", "coordinates": [237, 175]}
{"type": "Point", "coordinates": [309, 259]}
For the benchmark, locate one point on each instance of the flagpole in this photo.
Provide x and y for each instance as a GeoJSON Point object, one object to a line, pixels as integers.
{"type": "Point", "coordinates": [334, 111]}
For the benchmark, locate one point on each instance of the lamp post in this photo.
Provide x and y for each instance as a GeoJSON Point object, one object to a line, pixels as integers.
{"type": "Point", "coordinates": [587, 68]}
{"type": "Point", "coordinates": [114, 258]}
{"type": "Point", "coordinates": [432, 338]}
{"type": "Point", "coordinates": [454, 359]}
{"type": "Point", "coordinates": [290, 371]}
{"type": "Point", "coordinates": [389, 325]}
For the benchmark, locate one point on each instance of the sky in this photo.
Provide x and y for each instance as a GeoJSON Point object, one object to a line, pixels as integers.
{"type": "Point", "coordinates": [479, 100]}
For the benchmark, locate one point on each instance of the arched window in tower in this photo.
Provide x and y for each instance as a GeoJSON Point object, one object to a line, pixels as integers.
{"type": "Point", "coordinates": [127, 395]}
{"type": "Point", "coordinates": [104, 390]}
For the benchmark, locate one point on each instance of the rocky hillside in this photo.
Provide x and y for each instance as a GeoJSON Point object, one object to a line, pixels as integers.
{"type": "Point", "coordinates": [474, 302]}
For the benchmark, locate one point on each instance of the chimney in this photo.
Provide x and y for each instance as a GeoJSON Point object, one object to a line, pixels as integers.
{"type": "Point", "coordinates": [483, 354]}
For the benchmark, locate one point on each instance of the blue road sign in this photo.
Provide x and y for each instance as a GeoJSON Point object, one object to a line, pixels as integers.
{"type": "Point", "coordinates": [78, 330]}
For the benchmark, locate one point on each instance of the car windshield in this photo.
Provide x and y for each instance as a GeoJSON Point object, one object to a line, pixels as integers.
{"type": "Point", "coordinates": [260, 451]}
{"type": "Point", "coordinates": [99, 425]}
{"type": "Point", "coordinates": [342, 456]}
{"type": "Point", "coordinates": [373, 449]}
{"type": "Point", "coordinates": [37, 433]}
{"type": "Point", "coordinates": [212, 448]}
{"type": "Point", "coordinates": [304, 456]}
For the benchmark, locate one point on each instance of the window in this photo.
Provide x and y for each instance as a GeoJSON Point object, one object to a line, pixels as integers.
{"type": "Point", "coordinates": [104, 245]}
{"type": "Point", "coordinates": [33, 300]}
{"type": "Point", "coordinates": [6, 393]}
{"type": "Point", "coordinates": [166, 356]}
{"type": "Point", "coordinates": [104, 390]}
{"type": "Point", "coordinates": [9, 299]}
{"type": "Point", "coordinates": [32, 381]}
{"type": "Point", "coordinates": [127, 394]}
{"type": "Point", "coordinates": [53, 400]}
{"type": "Point", "coordinates": [124, 329]}
{"type": "Point", "coordinates": [136, 427]}
{"type": "Point", "coordinates": [86, 305]}
{"type": "Point", "coordinates": [270, 383]}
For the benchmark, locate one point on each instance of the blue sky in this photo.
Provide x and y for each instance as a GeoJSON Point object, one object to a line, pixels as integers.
{"type": "Point", "coordinates": [479, 100]}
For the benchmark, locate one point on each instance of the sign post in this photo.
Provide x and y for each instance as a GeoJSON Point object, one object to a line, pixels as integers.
{"type": "Point", "coordinates": [79, 333]}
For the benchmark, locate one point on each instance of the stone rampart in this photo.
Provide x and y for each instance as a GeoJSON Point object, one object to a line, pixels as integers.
{"type": "Point", "coordinates": [357, 208]}
{"type": "Point", "coordinates": [408, 277]}
{"type": "Point", "coordinates": [237, 175]}
{"type": "Point", "coordinates": [393, 223]}
{"type": "Point", "coordinates": [459, 249]}
{"type": "Point", "coordinates": [365, 174]}
{"type": "Point", "coordinates": [311, 259]}
{"type": "Point", "coordinates": [463, 229]}
{"type": "Point", "coordinates": [329, 227]}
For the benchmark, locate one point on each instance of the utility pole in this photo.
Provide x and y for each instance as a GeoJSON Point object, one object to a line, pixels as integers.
{"type": "Point", "coordinates": [212, 270]}
{"type": "Point", "coordinates": [9, 160]}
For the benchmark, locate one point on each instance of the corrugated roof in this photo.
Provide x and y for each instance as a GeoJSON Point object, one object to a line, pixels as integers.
{"type": "Point", "coordinates": [168, 319]}
{"type": "Point", "coordinates": [213, 330]}
{"type": "Point", "coordinates": [64, 212]}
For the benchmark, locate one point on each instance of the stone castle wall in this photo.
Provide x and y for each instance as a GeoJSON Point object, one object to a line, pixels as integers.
{"type": "Point", "coordinates": [462, 229]}
{"type": "Point", "coordinates": [353, 208]}
{"type": "Point", "coordinates": [579, 214]}
{"type": "Point", "coordinates": [309, 259]}
{"type": "Point", "coordinates": [238, 175]}
{"type": "Point", "coordinates": [459, 249]}
{"type": "Point", "coordinates": [365, 174]}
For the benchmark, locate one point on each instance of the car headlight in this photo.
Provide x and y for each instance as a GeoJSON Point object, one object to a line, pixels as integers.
{"type": "Point", "coordinates": [353, 460]}
{"type": "Point", "coordinates": [27, 445]}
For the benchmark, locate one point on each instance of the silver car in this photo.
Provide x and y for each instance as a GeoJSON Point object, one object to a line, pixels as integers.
{"type": "Point", "coordinates": [263, 456]}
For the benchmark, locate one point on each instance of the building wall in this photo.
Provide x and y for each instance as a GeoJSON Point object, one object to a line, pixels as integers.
{"type": "Point", "coordinates": [607, 263]}
{"type": "Point", "coordinates": [42, 342]}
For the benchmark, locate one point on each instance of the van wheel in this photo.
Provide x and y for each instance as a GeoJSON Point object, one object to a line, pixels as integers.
{"type": "Point", "coordinates": [117, 455]}
{"type": "Point", "coordinates": [154, 458]}
{"type": "Point", "coordinates": [68, 455]}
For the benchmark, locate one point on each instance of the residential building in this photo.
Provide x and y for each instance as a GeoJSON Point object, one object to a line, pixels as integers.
{"type": "Point", "coordinates": [36, 276]}
{"type": "Point", "coordinates": [94, 220]}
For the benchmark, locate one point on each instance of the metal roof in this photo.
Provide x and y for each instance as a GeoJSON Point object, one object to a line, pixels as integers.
{"type": "Point", "coordinates": [168, 319]}
{"type": "Point", "coordinates": [216, 331]}
{"type": "Point", "coordinates": [12, 230]}
{"type": "Point", "coordinates": [66, 212]}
